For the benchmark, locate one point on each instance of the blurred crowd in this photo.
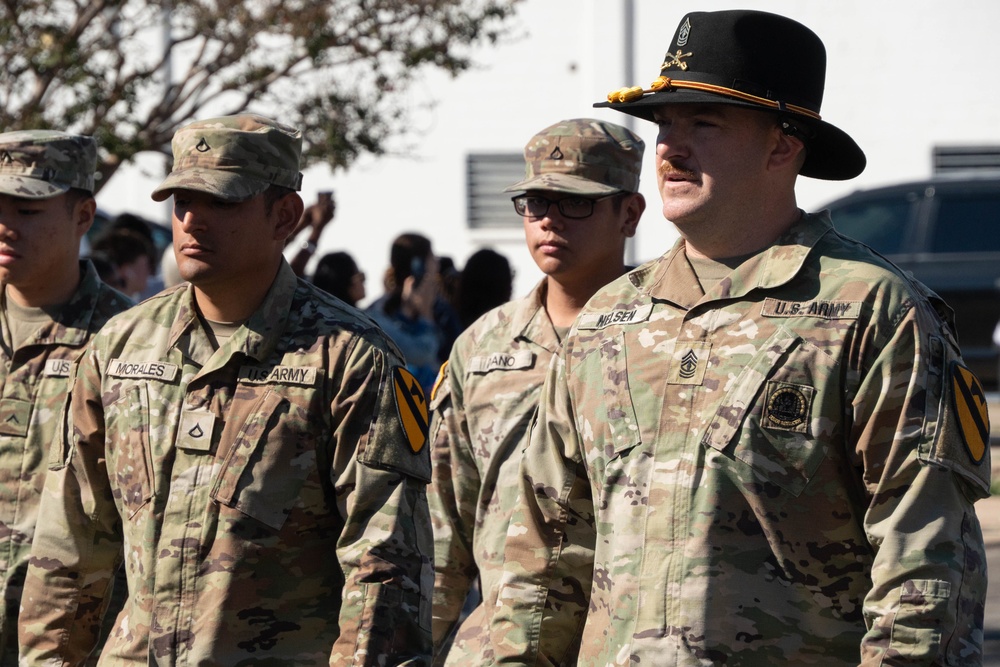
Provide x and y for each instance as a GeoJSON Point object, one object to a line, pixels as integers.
{"type": "Point", "coordinates": [425, 302]}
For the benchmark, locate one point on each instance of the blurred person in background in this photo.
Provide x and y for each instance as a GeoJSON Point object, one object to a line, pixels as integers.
{"type": "Point", "coordinates": [314, 220]}
{"type": "Point", "coordinates": [486, 282]}
{"type": "Point", "coordinates": [133, 256]}
{"type": "Point", "coordinates": [338, 274]}
{"type": "Point", "coordinates": [406, 312]}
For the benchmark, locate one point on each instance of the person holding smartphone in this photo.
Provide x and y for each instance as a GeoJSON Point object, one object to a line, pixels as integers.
{"type": "Point", "coordinates": [406, 312]}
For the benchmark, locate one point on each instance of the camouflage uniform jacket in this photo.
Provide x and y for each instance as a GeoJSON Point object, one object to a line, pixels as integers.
{"type": "Point", "coordinates": [265, 496]}
{"type": "Point", "coordinates": [36, 380]}
{"type": "Point", "coordinates": [779, 472]}
{"type": "Point", "coordinates": [482, 406]}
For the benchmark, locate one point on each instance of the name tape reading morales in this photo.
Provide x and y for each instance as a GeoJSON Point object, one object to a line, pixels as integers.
{"type": "Point", "coordinates": [149, 370]}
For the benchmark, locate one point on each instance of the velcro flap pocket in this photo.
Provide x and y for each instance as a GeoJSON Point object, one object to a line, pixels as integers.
{"type": "Point", "coordinates": [262, 476]}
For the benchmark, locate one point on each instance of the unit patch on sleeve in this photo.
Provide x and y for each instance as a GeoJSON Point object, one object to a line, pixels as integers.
{"type": "Point", "coordinates": [969, 400]}
{"type": "Point", "coordinates": [411, 408]}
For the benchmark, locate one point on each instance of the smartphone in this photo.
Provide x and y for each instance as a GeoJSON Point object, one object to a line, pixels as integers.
{"type": "Point", "coordinates": [417, 270]}
{"type": "Point", "coordinates": [325, 197]}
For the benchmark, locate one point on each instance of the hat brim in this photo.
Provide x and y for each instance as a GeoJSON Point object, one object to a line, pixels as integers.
{"type": "Point", "coordinates": [831, 154]}
{"type": "Point", "coordinates": [224, 185]}
{"type": "Point", "coordinates": [30, 188]}
{"type": "Point", "coordinates": [567, 183]}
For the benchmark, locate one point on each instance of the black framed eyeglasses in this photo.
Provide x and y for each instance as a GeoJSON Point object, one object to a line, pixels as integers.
{"type": "Point", "coordinates": [575, 208]}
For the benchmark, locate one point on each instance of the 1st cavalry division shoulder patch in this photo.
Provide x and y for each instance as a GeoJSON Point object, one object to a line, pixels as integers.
{"type": "Point", "coordinates": [411, 406]}
{"type": "Point", "coordinates": [969, 401]}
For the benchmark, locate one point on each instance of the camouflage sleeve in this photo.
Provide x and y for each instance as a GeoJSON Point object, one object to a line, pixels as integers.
{"type": "Point", "coordinates": [454, 494]}
{"type": "Point", "coordinates": [549, 552]}
{"type": "Point", "coordinates": [78, 540]}
{"type": "Point", "coordinates": [380, 470]}
{"type": "Point", "coordinates": [921, 432]}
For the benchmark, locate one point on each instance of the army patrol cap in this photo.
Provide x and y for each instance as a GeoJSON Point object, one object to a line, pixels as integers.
{"type": "Point", "coordinates": [754, 60]}
{"type": "Point", "coordinates": [582, 156]}
{"type": "Point", "coordinates": [233, 157]}
{"type": "Point", "coordinates": [38, 164]}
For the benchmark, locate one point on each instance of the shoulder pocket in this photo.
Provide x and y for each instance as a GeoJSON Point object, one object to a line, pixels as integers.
{"type": "Point", "coordinates": [267, 464]}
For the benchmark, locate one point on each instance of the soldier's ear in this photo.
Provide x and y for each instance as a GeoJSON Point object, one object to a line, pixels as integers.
{"type": "Point", "coordinates": [632, 209]}
{"type": "Point", "coordinates": [288, 212]}
{"type": "Point", "coordinates": [84, 210]}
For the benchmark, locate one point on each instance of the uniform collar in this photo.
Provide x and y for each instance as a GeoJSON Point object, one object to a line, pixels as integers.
{"type": "Point", "coordinates": [671, 278]}
{"type": "Point", "coordinates": [256, 337]}
{"type": "Point", "coordinates": [72, 326]}
{"type": "Point", "coordinates": [532, 323]}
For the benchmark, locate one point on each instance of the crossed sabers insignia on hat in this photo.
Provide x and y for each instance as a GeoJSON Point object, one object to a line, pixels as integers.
{"type": "Point", "coordinates": [675, 59]}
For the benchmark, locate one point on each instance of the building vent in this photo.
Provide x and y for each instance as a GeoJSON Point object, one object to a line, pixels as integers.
{"type": "Point", "coordinates": [952, 159]}
{"type": "Point", "coordinates": [486, 175]}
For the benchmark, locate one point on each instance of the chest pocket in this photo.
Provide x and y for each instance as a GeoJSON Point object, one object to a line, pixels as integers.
{"type": "Point", "coordinates": [131, 468]}
{"type": "Point", "coordinates": [771, 418]}
{"type": "Point", "coordinates": [622, 424]}
{"type": "Point", "coordinates": [264, 470]}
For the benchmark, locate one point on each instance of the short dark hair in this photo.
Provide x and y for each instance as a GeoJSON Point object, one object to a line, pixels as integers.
{"type": "Point", "coordinates": [273, 194]}
{"type": "Point", "coordinates": [75, 196]}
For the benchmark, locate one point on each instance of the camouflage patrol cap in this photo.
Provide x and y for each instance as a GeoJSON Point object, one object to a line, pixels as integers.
{"type": "Point", "coordinates": [233, 157]}
{"type": "Point", "coordinates": [38, 164]}
{"type": "Point", "coordinates": [582, 156]}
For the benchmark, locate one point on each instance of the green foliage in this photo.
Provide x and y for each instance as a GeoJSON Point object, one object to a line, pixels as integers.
{"type": "Point", "coordinates": [338, 69]}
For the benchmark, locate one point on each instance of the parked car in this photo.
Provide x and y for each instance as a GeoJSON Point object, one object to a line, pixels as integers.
{"type": "Point", "coordinates": [946, 232]}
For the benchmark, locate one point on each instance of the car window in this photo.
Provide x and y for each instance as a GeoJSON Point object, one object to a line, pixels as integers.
{"type": "Point", "coordinates": [968, 222]}
{"type": "Point", "coordinates": [879, 223]}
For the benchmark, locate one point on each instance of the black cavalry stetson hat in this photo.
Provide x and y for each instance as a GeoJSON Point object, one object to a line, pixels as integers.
{"type": "Point", "coordinates": [756, 60]}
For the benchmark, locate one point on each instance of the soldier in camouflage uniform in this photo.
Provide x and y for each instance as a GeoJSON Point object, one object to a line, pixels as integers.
{"type": "Point", "coordinates": [250, 446]}
{"type": "Point", "coordinates": [579, 202]}
{"type": "Point", "coordinates": [766, 438]}
{"type": "Point", "coordinates": [51, 304]}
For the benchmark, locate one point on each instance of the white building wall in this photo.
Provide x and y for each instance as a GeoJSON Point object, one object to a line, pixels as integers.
{"type": "Point", "coordinates": [903, 76]}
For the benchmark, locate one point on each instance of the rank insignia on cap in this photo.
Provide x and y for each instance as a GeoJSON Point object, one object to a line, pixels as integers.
{"type": "Point", "coordinates": [411, 408]}
{"type": "Point", "coordinates": [675, 59]}
{"type": "Point", "coordinates": [556, 154]}
{"type": "Point", "coordinates": [969, 401]}
{"type": "Point", "coordinates": [684, 33]}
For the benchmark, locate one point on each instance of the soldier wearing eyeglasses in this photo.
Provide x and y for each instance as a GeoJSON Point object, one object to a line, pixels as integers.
{"type": "Point", "coordinates": [580, 203]}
